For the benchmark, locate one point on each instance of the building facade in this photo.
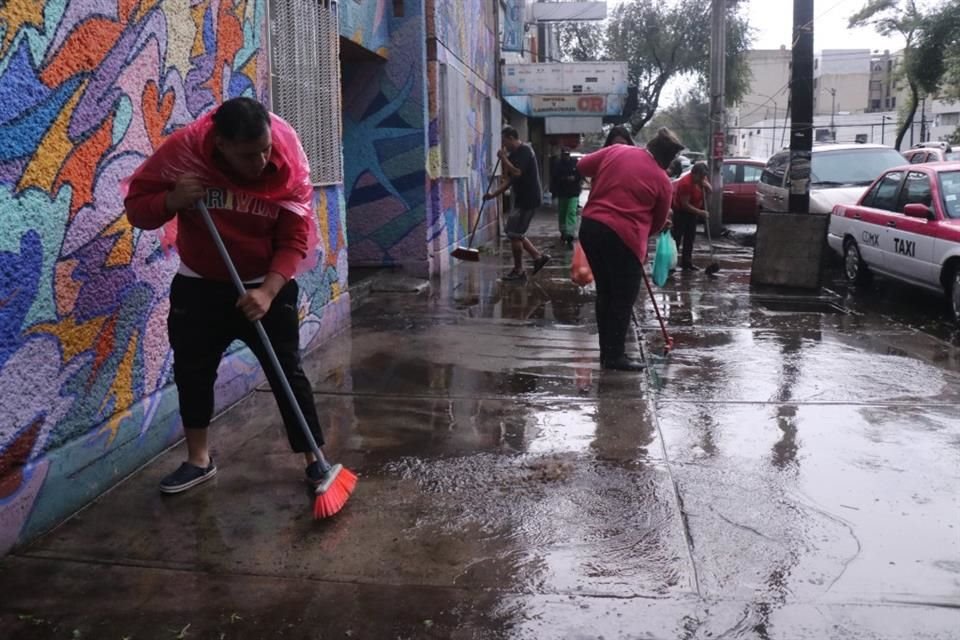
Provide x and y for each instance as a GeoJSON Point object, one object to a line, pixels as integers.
{"type": "Point", "coordinates": [421, 126]}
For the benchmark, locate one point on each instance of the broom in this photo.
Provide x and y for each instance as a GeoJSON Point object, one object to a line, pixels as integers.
{"type": "Point", "coordinates": [714, 266]}
{"type": "Point", "coordinates": [468, 253]}
{"type": "Point", "coordinates": [667, 339]}
{"type": "Point", "coordinates": [338, 482]}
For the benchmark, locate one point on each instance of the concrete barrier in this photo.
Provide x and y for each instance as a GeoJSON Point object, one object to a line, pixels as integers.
{"type": "Point", "coordinates": [790, 249]}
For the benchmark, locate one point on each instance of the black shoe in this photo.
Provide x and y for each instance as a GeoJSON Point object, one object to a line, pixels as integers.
{"type": "Point", "coordinates": [515, 276]}
{"type": "Point", "coordinates": [623, 363]}
{"type": "Point", "coordinates": [540, 263]}
{"type": "Point", "coordinates": [690, 267]}
{"type": "Point", "coordinates": [186, 477]}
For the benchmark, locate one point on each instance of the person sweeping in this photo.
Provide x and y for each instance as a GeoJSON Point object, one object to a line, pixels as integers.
{"type": "Point", "coordinates": [689, 208]}
{"type": "Point", "coordinates": [630, 197]}
{"type": "Point", "coordinates": [247, 168]}
{"type": "Point", "coordinates": [521, 173]}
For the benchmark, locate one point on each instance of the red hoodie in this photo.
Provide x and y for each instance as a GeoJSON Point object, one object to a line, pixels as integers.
{"type": "Point", "coordinates": [267, 226]}
{"type": "Point", "coordinates": [260, 236]}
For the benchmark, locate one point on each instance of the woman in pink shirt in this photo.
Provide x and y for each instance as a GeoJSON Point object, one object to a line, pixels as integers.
{"type": "Point", "coordinates": [630, 196]}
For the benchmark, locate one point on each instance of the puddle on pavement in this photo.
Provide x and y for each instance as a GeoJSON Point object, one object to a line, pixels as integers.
{"type": "Point", "coordinates": [794, 305]}
{"type": "Point", "coordinates": [562, 523]}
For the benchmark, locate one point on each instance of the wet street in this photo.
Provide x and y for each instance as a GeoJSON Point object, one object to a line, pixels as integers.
{"type": "Point", "coordinates": [790, 471]}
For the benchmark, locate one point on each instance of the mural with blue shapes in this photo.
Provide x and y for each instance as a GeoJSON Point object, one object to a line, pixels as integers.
{"type": "Point", "coordinates": [92, 87]}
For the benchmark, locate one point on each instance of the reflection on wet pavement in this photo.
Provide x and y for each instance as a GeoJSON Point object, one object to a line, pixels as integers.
{"type": "Point", "coordinates": [789, 471]}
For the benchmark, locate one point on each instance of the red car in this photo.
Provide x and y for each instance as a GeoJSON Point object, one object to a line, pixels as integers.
{"type": "Point", "coordinates": [740, 178]}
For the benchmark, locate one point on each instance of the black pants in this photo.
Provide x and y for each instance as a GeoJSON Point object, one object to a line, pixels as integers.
{"type": "Point", "coordinates": [684, 233]}
{"type": "Point", "coordinates": [617, 272]}
{"type": "Point", "coordinates": [204, 320]}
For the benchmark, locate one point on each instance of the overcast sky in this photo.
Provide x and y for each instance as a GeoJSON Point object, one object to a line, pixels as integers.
{"type": "Point", "coordinates": [773, 22]}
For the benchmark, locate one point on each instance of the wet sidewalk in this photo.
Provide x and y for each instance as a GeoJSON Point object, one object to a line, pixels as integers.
{"type": "Point", "coordinates": [790, 471]}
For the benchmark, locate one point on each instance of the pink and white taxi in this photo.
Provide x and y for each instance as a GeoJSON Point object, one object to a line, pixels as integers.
{"type": "Point", "coordinates": [907, 227]}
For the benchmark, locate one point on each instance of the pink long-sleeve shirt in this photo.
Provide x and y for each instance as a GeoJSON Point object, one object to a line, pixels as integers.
{"type": "Point", "coordinates": [630, 193]}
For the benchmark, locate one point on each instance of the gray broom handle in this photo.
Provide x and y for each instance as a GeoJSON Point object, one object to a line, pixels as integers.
{"type": "Point", "coordinates": [264, 339]}
{"type": "Point", "coordinates": [476, 223]}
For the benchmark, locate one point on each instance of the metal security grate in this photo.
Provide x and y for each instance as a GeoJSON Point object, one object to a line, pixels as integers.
{"type": "Point", "coordinates": [305, 80]}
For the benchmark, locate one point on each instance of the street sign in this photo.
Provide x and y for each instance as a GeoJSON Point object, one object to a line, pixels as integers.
{"type": "Point", "coordinates": [571, 105]}
{"type": "Point", "coordinates": [565, 77]}
{"type": "Point", "coordinates": [514, 19]}
{"type": "Point", "coordinates": [719, 145]}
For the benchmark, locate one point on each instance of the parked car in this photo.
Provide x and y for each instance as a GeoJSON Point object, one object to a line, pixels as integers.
{"type": "Point", "coordinates": [907, 227]}
{"type": "Point", "coordinates": [920, 155]}
{"type": "Point", "coordinates": [839, 174]}
{"type": "Point", "coordinates": [740, 179]}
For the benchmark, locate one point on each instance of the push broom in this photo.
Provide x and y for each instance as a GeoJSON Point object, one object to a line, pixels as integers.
{"type": "Point", "coordinates": [667, 339]}
{"type": "Point", "coordinates": [714, 266]}
{"type": "Point", "coordinates": [468, 253]}
{"type": "Point", "coordinates": [338, 482]}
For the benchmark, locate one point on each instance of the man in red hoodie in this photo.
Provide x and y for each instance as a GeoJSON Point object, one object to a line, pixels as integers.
{"type": "Point", "coordinates": [249, 169]}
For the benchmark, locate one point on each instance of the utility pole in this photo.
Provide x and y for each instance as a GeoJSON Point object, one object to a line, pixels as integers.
{"type": "Point", "coordinates": [801, 110]}
{"type": "Point", "coordinates": [833, 112]}
{"type": "Point", "coordinates": [718, 133]}
{"type": "Point", "coordinates": [923, 119]}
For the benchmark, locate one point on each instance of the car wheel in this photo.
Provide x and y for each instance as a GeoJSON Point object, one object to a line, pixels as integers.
{"type": "Point", "coordinates": [953, 295]}
{"type": "Point", "coordinates": [854, 268]}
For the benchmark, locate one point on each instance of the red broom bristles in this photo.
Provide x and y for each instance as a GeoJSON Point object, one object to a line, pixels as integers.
{"type": "Point", "coordinates": [332, 500]}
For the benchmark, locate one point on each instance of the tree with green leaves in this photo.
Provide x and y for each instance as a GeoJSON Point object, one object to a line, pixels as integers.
{"type": "Point", "coordinates": [688, 117]}
{"type": "Point", "coordinates": [661, 41]}
{"type": "Point", "coordinates": [929, 41]}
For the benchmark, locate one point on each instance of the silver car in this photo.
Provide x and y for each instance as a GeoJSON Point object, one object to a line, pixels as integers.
{"type": "Point", "coordinates": [839, 174]}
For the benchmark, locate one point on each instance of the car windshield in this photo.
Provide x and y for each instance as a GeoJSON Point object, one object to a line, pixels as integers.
{"type": "Point", "coordinates": [952, 157]}
{"type": "Point", "coordinates": [851, 167]}
{"type": "Point", "coordinates": [950, 191]}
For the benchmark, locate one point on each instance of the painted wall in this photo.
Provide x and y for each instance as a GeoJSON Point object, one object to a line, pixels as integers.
{"type": "Point", "coordinates": [90, 88]}
{"type": "Point", "coordinates": [465, 38]}
{"type": "Point", "coordinates": [367, 24]}
{"type": "Point", "coordinates": [385, 132]}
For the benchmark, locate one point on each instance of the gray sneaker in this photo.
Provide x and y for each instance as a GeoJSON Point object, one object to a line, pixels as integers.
{"type": "Point", "coordinates": [186, 477]}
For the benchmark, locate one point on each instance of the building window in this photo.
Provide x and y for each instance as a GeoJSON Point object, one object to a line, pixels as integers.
{"type": "Point", "coordinates": [948, 119]}
{"type": "Point", "coordinates": [893, 102]}
{"type": "Point", "coordinates": [875, 104]}
{"type": "Point", "coordinates": [305, 80]}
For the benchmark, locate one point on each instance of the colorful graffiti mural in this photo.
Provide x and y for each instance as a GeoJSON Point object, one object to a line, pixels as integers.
{"type": "Point", "coordinates": [384, 138]}
{"type": "Point", "coordinates": [367, 24]}
{"type": "Point", "coordinates": [465, 39]}
{"type": "Point", "coordinates": [466, 29]}
{"type": "Point", "coordinates": [399, 210]}
{"type": "Point", "coordinates": [90, 88]}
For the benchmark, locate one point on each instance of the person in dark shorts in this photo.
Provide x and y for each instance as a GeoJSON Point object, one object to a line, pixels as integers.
{"type": "Point", "coordinates": [521, 172]}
